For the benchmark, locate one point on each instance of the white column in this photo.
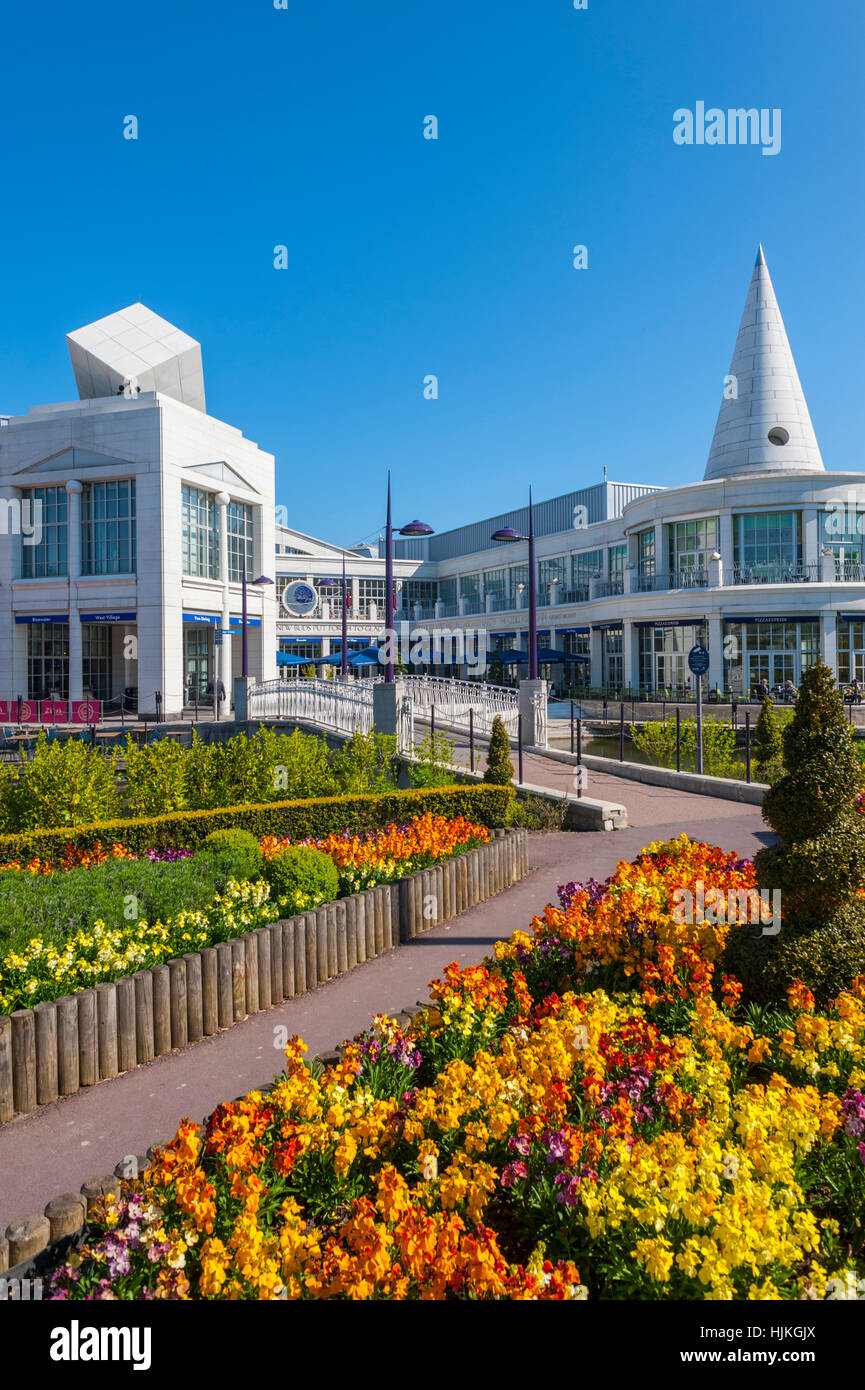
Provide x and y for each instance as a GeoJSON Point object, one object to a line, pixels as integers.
{"type": "Point", "coordinates": [830, 641]}
{"type": "Point", "coordinates": [629, 653]}
{"type": "Point", "coordinates": [812, 541]}
{"type": "Point", "coordinates": [596, 652]}
{"type": "Point", "coordinates": [725, 542]}
{"type": "Point", "coordinates": [223, 671]}
{"type": "Point", "coordinates": [74, 490]}
{"type": "Point", "coordinates": [716, 653]}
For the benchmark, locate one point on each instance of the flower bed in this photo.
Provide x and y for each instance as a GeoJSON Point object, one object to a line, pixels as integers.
{"type": "Point", "coordinates": [44, 969]}
{"type": "Point", "coordinates": [590, 1114]}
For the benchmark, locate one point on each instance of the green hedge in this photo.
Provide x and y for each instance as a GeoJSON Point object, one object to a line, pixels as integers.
{"type": "Point", "coordinates": [357, 814]}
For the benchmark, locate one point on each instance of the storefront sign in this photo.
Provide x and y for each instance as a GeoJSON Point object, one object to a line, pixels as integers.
{"type": "Point", "coordinates": [42, 617]}
{"type": "Point", "coordinates": [771, 618]}
{"type": "Point", "coordinates": [200, 618]}
{"type": "Point", "coordinates": [109, 617]}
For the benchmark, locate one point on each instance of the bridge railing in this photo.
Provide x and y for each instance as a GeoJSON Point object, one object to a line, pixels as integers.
{"type": "Point", "coordinates": [452, 700]}
{"type": "Point", "coordinates": [333, 704]}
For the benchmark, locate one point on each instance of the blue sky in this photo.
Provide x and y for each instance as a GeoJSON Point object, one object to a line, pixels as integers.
{"type": "Point", "coordinates": [409, 257]}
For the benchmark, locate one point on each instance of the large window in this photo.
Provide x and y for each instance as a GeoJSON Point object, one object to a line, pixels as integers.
{"type": "Point", "coordinates": [588, 565]}
{"type": "Point", "coordinates": [692, 544]}
{"type": "Point", "coordinates": [766, 545]}
{"type": "Point", "coordinates": [550, 572]}
{"type": "Point", "coordinates": [47, 661]}
{"type": "Point", "coordinates": [200, 534]}
{"type": "Point", "coordinates": [613, 659]}
{"type": "Point", "coordinates": [108, 527]}
{"type": "Point", "coordinates": [48, 517]}
{"type": "Point", "coordinates": [647, 552]}
{"type": "Point", "coordinates": [779, 650]}
{"type": "Point", "coordinates": [519, 578]}
{"type": "Point", "coordinates": [618, 560]}
{"type": "Point", "coordinates": [663, 655]}
{"type": "Point", "coordinates": [851, 652]}
{"type": "Point", "coordinates": [840, 532]}
{"type": "Point", "coordinates": [496, 583]}
{"type": "Point", "coordinates": [372, 591]}
{"type": "Point", "coordinates": [96, 660]}
{"type": "Point", "coordinates": [240, 542]}
{"type": "Point", "coordinates": [470, 590]}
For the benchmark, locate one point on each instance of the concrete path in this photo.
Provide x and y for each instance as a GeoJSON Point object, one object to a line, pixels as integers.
{"type": "Point", "coordinates": [59, 1147]}
{"type": "Point", "coordinates": [646, 805]}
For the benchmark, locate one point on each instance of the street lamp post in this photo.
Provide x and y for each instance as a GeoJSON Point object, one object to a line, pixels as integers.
{"type": "Point", "coordinates": [414, 528]}
{"type": "Point", "coordinates": [508, 534]}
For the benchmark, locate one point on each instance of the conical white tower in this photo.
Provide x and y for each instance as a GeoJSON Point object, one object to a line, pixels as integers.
{"type": "Point", "coordinates": [764, 426]}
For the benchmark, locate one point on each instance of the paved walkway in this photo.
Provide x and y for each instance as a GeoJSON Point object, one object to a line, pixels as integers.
{"type": "Point", "coordinates": [646, 805]}
{"type": "Point", "coordinates": [59, 1147]}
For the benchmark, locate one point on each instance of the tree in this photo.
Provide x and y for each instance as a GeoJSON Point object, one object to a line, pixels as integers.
{"type": "Point", "coordinates": [768, 743]}
{"type": "Point", "coordinates": [500, 769]}
{"type": "Point", "coordinates": [818, 864]}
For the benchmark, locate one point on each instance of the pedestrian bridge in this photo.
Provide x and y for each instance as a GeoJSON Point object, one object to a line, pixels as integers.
{"type": "Point", "coordinates": [344, 706]}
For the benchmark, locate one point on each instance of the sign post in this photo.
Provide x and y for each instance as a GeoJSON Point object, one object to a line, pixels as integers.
{"type": "Point", "coordinates": [698, 662]}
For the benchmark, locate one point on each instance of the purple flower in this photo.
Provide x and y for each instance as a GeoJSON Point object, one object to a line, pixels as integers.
{"type": "Point", "coordinates": [568, 1184]}
{"type": "Point", "coordinates": [512, 1172]}
{"type": "Point", "coordinates": [519, 1144]}
{"type": "Point", "coordinates": [557, 1147]}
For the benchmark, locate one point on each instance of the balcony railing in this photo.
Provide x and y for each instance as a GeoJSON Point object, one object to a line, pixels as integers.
{"type": "Point", "coordinates": [609, 588]}
{"type": "Point", "coordinates": [775, 574]}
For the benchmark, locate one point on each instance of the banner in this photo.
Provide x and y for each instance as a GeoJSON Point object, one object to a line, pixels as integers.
{"type": "Point", "coordinates": [50, 711]}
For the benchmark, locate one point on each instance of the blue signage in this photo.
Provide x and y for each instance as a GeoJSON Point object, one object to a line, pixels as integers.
{"type": "Point", "coordinates": [200, 618]}
{"type": "Point", "coordinates": [250, 622]}
{"type": "Point", "coordinates": [698, 660]}
{"type": "Point", "coordinates": [108, 617]}
{"type": "Point", "coordinates": [42, 617]}
{"type": "Point", "coordinates": [670, 622]}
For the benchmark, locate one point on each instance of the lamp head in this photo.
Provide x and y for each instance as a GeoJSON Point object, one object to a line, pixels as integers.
{"type": "Point", "coordinates": [507, 533]}
{"type": "Point", "coordinates": [416, 528]}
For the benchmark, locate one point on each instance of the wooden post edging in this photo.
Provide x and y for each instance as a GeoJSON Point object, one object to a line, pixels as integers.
{"type": "Point", "coordinates": [78, 1040]}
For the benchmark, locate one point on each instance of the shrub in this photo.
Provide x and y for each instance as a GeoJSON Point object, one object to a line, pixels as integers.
{"type": "Point", "coordinates": [768, 743]}
{"type": "Point", "coordinates": [433, 758]}
{"type": "Point", "coordinates": [366, 763]}
{"type": "Point", "coordinates": [500, 769]}
{"type": "Point", "coordinates": [819, 862]}
{"type": "Point", "coordinates": [537, 813]}
{"type": "Point", "coordinates": [66, 783]}
{"type": "Point", "coordinates": [312, 818]}
{"type": "Point", "coordinates": [657, 740]}
{"type": "Point", "coordinates": [156, 777]}
{"type": "Point", "coordinates": [301, 877]}
{"type": "Point", "coordinates": [237, 851]}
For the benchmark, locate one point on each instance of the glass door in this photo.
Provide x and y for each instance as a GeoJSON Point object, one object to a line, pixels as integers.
{"type": "Point", "coordinates": [197, 660]}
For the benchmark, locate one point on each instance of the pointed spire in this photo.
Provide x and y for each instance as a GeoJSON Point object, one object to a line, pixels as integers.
{"type": "Point", "coordinates": [763, 424]}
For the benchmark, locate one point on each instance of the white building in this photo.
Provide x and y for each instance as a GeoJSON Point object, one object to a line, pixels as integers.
{"type": "Point", "coordinates": [146, 507]}
{"type": "Point", "coordinates": [762, 561]}
{"type": "Point", "coordinates": [128, 516]}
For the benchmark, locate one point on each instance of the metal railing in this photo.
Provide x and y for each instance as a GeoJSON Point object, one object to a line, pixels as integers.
{"type": "Point", "coordinates": [333, 704]}
{"type": "Point", "coordinates": [609, 588]}
{"type": "Point", "coordinates": [775, 574]}
{"type": "Point", "coordinates": [452, 700]}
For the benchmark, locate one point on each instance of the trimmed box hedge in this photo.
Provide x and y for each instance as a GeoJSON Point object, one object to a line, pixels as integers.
{"type": "Point", "coordinates": [314, 818]}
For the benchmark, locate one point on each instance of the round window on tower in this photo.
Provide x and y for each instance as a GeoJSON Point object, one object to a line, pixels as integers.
{"type": "Point", "coordinates": [778, 435]}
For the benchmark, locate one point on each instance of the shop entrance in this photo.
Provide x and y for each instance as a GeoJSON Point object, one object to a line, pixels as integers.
{"type": "Point", "coordinates": [197, 661]}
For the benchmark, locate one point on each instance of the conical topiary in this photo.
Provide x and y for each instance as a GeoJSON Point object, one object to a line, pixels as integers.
{"type": "Point", "coordinates": [500, 769]}
{"type": "Point", "coordinates": [818, 864]}
{"type": "Point", "coordinates": [768, 743]}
